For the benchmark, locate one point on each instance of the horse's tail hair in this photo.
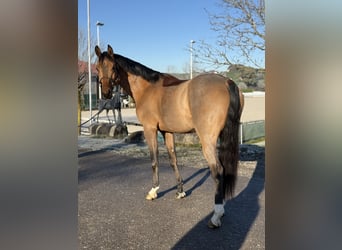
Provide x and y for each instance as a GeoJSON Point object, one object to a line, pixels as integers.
{"type": "Point", "coordinates": [229, 140]}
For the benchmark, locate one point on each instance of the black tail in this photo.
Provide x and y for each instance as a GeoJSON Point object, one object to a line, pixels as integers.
{"type": "Point", "coordinates": [229, 138]}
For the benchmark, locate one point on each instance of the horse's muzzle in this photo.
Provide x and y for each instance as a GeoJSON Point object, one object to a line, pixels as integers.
{"type": "Point", "coordinates": [108, 94]}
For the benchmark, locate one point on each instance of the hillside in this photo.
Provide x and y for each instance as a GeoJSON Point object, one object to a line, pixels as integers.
{"type": "Point", "coordinates": [247, 78]}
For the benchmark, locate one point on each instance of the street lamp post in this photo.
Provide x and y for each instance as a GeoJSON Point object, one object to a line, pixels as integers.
{"type": "Point", "coordinates": [98, 24]}
{"type": "Point", "coordinates": [191, 43]}
{"type": "Point", "coordinates": [89, 63]}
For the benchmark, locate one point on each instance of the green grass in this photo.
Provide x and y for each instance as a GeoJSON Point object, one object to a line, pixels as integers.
{"type": "Point", "coordinates": [255, 140]}
{"type": "Point", "coordinates": [248, 90]}
{"type": "Point", "coordinates": [196, 145]}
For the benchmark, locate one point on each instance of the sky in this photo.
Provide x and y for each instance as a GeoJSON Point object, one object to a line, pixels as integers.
{"type": "Point", "coordinates": [156, 33]}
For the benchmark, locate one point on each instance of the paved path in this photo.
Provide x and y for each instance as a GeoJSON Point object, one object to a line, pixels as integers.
{"type": "Point", "coordinates": [113, 212]}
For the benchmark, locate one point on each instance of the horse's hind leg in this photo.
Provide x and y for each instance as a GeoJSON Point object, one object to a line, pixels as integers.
{"type": "Point", "coordinates": [170, 145]}
{"type": "Point", "coordinates": [209, 152]}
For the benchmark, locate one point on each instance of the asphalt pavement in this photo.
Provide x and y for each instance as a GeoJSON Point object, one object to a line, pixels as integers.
{"type": "Point", "coordinates": [113, 212]}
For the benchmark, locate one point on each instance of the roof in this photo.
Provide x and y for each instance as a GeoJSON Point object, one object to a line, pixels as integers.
{"type": "Point", "coordinates": [83, 67]}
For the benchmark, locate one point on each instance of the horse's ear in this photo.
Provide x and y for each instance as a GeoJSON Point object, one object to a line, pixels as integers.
{"type": "Point", "coordinates": [110, 51]}
{"type": "Point", "coordinates": [97, 51]}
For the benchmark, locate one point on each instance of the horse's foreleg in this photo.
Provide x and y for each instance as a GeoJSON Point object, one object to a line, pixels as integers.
{"type": "Point", "coordinates": [170, 145]}
{"type": "Point", "coordinates": [209, 152]}
{"type": "Point", "coordinates": [151, 139]}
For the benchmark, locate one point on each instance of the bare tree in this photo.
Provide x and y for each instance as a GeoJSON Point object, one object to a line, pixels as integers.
{"type": "Point", "coordinates": [83, 46]}
{"type": "Point", "coordinates": [81, 81]}
{"type": "Point", "coordinates": [82, 71]}
{"type": "Point", "coordinates": [241, 34]}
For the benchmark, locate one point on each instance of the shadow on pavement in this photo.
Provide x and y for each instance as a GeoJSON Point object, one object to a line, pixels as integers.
{"type": "Point", "coordinates": [241, 213]}
{"type": "Point", "coordinates": [196, 185]}
{"type": "Point", "coordinates": [88, 152]}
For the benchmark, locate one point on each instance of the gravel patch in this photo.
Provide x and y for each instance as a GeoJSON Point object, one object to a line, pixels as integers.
{"type": "Point", "coordinates": [250, 154]}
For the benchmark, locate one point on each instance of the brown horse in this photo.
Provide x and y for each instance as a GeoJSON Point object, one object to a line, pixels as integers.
{"type": "Point", "coordinates": [210, 104]}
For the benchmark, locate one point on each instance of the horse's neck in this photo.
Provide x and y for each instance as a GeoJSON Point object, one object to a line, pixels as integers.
{"type": "Point", "coordinates": [138, 86]}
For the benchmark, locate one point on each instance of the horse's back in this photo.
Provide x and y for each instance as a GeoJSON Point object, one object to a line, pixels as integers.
{"type": "Point", "coordinates": [208, 89]}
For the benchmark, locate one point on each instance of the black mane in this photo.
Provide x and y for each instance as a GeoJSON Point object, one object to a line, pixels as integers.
{"type": "Point", "coordinates": [137, 68]}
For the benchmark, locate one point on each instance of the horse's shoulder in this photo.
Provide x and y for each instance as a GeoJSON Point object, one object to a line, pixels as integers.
{"type": "Point", "coordinates": [169, 80]}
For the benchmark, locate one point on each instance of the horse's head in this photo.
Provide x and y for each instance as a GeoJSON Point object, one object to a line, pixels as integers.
{"type": "Point", "coordinates": [107, 71]}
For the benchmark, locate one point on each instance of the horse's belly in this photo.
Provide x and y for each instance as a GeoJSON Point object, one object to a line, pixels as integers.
{"type": "Point", "coordinates": [175, 115]}
{"type": "Point", "coordinates": [176, 125]}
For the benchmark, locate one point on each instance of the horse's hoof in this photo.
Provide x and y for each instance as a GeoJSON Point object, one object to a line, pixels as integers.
{"type": "Point", "coordinates": [180, 195]}
{"type": "Point", "coordinates": [212, 225]}
{"type": "Point", "coordinates": [152, 194]}
{"type": "Point", "coordinates": [151, 197]}
{"type": "Point", "coordinates": [215, 221]}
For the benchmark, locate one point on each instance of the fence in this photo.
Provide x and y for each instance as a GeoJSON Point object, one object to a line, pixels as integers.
{"type": "Point", "coordinates": [252, 130]}
{"type": "Point", "coordinates": [85, 104]}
